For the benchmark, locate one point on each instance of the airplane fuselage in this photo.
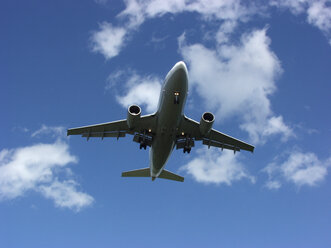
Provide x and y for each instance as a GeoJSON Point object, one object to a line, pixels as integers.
{"type": "Point", "coordinates": [169, 114]}
{"type": "Point", "coordinates": [166, 128]}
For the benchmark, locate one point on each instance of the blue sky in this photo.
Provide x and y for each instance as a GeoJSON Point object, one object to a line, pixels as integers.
{"type": "Point", "coordinates": [262, 68]}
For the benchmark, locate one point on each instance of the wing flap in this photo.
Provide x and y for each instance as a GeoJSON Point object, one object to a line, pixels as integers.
{"type": "Point", "coordinates": [209, 143]}
{"type": "Point", "coordinates": [106, 134]}
{"type": "Point", "coordinates": [115, 128]}
{"type": "Point", "coordinates": [222, 138]}
{"type": "Point", "coordinates": [120, 125]}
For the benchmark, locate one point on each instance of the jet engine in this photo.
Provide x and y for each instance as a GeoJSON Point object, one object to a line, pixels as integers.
{"type": "Point", "coordinates": [133, 116]}
{"type": "Point", "coordinates": [206, 122]}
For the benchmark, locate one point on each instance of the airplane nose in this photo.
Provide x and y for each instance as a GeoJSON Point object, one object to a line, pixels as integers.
{"type": "Point", "coordinates": [177, 78]}
{"type": "Point", "coordinates": [179, 75]}
{"type": "Point", "coordinates": [179, 71]}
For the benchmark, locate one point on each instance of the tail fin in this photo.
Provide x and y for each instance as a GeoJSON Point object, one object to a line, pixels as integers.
{"type": "Point", "coordinates": [171, 176]}
{"type": "Point", "coordinates": [137, 173]}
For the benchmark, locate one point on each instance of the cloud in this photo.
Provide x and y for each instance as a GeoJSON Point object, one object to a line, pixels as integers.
{"type": "Point", "coordinates": [212, 167]}
{"type": "Point", "coordinates": [319, 15]}
{"type": "Point", "coordinates": [108, 40]}
{"type": "Point", "coordinates": [141, 90]}
{"type": "Point", "coordinates": [318, 12]}
{"type": "Point", "coordinates": [65, 195]}
{"type": "Point", "coordinates": [273, 184]}
{"type": "Point", "coordinates": [225, 30]}
{"type": "Point", "coordinates": [55, 131]}
{"type": "Point", "coordinates": [139, 10]}
{"type": "Point", "coordinates": [35, 168]}
{"type": "Point", "coordinates": [302, 169]}
{"type": "Point", "coordinates": [237, 80]}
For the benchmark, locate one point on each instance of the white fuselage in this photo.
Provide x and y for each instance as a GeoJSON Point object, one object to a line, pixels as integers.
{"type": "Point", "coordinates": [169, 115]}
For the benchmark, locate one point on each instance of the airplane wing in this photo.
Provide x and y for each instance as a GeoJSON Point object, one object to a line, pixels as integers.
{"type": "Point", "coordinates": [213, 138]}
{"type": "Point", "coordinates": [145, 125]}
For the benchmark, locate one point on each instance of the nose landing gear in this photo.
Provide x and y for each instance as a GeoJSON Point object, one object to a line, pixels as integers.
{"type": "Point", "coordinates": [176, 98]}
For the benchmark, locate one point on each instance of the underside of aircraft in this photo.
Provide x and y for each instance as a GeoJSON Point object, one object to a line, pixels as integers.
{"type": "Point", "coordinates": [166, 129]}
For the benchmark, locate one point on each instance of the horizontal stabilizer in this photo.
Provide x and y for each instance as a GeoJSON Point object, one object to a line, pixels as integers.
{"type": "Point", "coordinates": [171, 176]}
{"type": "Point", "coordinates": [137, 173]}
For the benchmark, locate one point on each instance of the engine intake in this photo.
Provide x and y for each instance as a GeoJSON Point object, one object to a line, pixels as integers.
{"type": "Point", "coordinates": [206, 123]}
{"type": "Point", "coordinates": [133, 116]}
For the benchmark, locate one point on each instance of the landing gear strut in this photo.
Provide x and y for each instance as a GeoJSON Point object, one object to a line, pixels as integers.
{"type": "Point", "coordinates": [187, 147]}
{"type": "Point", "coordinates": [143, 141]}
{"type": "Point", "coordinates": [142, 145]}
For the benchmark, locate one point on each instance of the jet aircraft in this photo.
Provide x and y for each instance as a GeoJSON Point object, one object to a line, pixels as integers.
{"type": "Point", "coordinates": [166, 129]}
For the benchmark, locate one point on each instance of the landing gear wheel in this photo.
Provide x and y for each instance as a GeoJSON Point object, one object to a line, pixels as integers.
{"type": "Point", "coordinates": [188, 150]}
{"type": "Point", "coordinates": [142, 146]}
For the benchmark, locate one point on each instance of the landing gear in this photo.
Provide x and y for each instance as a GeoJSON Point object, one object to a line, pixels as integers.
{"type": "Point", "coordinates": [176, 98]}
{"type": "Point", "coordinates": [187, 149]}
{"type": "Point", "coordinates": [142, 145]}
{"type": "Point", "coordinates": [143, 141]}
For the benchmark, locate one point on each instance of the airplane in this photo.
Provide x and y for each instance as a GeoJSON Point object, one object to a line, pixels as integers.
{"type": "Point", "coordinates": [166, 129]}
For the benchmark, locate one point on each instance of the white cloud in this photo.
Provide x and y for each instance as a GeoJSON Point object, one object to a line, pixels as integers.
{"type": "Point", "coordinates": [227, 28]}
{"type": "Point", "coordinates": [211, 166]}
{"type": "Point", "coordinates": [141, 90]}
{"type": "Point", "coordinates": [304, 169]}
{"type": "Point", "coordinates": [319, 15]}
{"type": "Point", "coordinates": [55, 131]}
{"type": "Point", "coordinates": [139, 10]}
{"type": "Point", "coordinates": [108, 40]}
{"type": "Point", "coordinates": [65, 195]}
{"type": "Point", "coordinates": [237, 81]}
{"type": "Point", "coordinates": [295, 6]}
{"type": "Point", "coordinates": [273, 184]}
{"type": "Point", "coordinates": [318, 12]}
{"type": "Point", "coordinates": [34, 168]}
{"type": "Point", "coordinates": [299, 168]}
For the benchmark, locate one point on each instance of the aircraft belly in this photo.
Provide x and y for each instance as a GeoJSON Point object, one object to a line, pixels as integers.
{"type": "Point", "coordinates": [160, 153]}
{"type": "Point", "coordinates": [169, 115]}
{"type": "Point", "coordinates": [163, 143]}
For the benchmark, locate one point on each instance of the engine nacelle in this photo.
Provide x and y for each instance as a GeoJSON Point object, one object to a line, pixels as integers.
{"type": "Point", "coordinates": [133, 116]}
{"type": "Point", "coordinates": [206, 123]}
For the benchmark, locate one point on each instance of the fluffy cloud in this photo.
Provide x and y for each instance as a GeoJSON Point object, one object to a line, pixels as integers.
{"type": "Point", "coordinates": [319, 15]}
{"type": "Point", "coordinates": [65, 194]}
{"type": "Point", "coordinates": [34, 168]}
{"type": "Point", "coordinates": [212, 167]}
{"type": "Point", "coordinates": [318, 12]}
{"type": "Point", "coordinates": [237, 81]}
{"type": "Point", "coordinates": [139, 10]}
{"type": "Point", "coordinates": [108, 40]}
{"type": "Point", "coordinates": [141, 90]}
{"type": "Point", "coordinates": [299, 168]}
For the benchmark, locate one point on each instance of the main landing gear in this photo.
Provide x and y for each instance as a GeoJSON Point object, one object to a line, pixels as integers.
{"type": "Point", "coordinates": [188, 145]}
{"type": "Point", "coordinates": [142, 145]}
{"type": "Point", "coordinates": [187, 149]}
{"type": "Point", "coordinates": [143, 141]}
